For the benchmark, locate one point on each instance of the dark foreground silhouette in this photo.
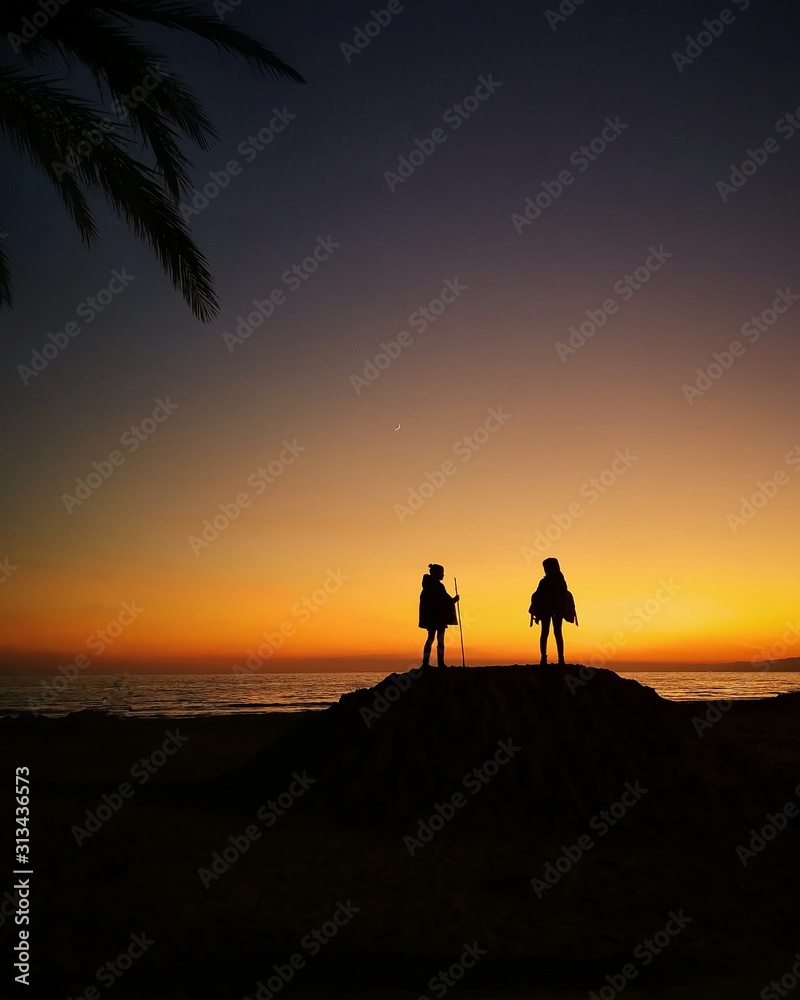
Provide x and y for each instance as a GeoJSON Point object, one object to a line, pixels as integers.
{"type": "Point", "coordinates": [437, 610]}
{"type": "Point", "coordinates": [552, 602]}
{"type": "Point", "coordinates": [556, 816]}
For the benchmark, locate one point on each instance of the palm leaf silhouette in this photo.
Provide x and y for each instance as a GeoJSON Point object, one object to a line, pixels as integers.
{"type": "Point", "coordinates": [134, 159]}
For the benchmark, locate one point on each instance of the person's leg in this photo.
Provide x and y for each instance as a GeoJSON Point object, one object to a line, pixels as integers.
{"type": "Point", "coordinates": [557, 623]}
{"type": "Point", "coordinates": [543, 638]}
{"type": "Point", "coordinates": [426, 649]}
{"type": "Point", "coordinates": [440, 646]}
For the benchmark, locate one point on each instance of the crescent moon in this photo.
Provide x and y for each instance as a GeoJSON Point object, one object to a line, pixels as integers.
{"type": "Point", "coordinates": [398, 427]}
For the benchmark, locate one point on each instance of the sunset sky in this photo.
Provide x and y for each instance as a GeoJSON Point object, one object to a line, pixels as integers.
{"type": "Point", "coordinates": [490, 440]}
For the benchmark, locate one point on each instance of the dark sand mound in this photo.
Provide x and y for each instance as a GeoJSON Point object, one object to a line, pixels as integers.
{"type": "Point", "coordinates": [379, 827]}
{"type": "Point", "coordinates": [389, 754]}
{"type": "Point", "coordinates": [663, 805]}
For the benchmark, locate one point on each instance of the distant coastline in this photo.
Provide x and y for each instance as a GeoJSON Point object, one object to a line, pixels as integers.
{"type": "Point", "coordinates": [21, 665]}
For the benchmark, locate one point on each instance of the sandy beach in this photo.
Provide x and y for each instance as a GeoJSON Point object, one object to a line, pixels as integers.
{"type": "Point", "coordinates": [571, 840]}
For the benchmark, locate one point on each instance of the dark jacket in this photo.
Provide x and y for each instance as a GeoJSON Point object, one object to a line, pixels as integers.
{"type": "Point", "coordinates": [550, 598]}
{"type": "Point", "coordinates": [437, 608]}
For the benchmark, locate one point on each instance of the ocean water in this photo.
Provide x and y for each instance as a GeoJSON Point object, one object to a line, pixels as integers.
{"type": "Point", "coordinates": [179, 695]}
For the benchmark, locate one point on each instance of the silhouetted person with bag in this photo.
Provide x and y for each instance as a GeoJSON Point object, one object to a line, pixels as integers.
{"type": "Point", "coordinates": [552, 601]}
{"type": "Point", "coordinates": [437, 610]}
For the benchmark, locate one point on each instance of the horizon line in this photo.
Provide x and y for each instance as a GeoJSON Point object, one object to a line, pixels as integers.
{"type": "Point", "coordinates": [37, 664]}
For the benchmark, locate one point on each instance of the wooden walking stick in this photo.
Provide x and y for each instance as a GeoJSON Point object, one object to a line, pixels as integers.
{"type": "Point", "coordinates": [460, 629]}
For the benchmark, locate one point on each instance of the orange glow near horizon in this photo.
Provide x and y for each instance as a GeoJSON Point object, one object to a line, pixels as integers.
{"type": "Point", "coordinates": [674, 586]}
{"type": "Point", "coordinates": [627, 501]}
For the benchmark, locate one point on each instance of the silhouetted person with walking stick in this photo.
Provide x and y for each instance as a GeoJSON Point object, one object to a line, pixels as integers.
{"type": "Point", "coordinates": [552, 601]}
{"type": "Point", "coordinates": [437, 610]}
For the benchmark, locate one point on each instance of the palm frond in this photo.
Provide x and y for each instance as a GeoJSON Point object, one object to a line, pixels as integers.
{"type": "Point", "coordinates": [133, 189]}
{"type": "Point", "coordinates": [154, 217]}
{"type": "Point", "coordinates": [36, 115]}
{"type": "Point", "coordinates": [6, 290]}
{"type": "Point", "coordinates": [83, 149]}
{"type": "Point", "coordinates": [122, 62]}
{"type": "Point", "coordinates": [122, 65]}
{"type": "Point", "coordinates": [189, 17]}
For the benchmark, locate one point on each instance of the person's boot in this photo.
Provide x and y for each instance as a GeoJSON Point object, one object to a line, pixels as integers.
{"type": "Point", "coordinates": [543, 661]}
{"type": "Point", "coordinates": [440, 659]}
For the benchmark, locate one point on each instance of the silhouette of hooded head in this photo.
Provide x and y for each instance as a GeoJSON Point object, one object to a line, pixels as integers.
{"type": "Point", "coordinates": [436, 571]}
{"type": "Point", "coordinates": [551, 567]}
